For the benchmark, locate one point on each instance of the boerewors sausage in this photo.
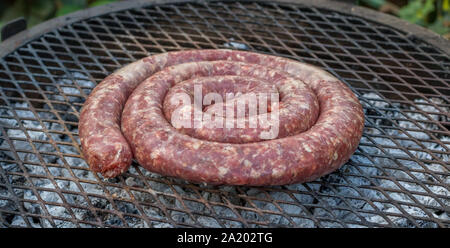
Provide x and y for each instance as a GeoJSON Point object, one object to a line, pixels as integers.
{"type": "Point", "coordinates": [129, 115]}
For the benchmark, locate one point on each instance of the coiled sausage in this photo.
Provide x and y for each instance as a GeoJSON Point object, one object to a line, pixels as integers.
{"type": "Point", "coordinates": [321, 122]}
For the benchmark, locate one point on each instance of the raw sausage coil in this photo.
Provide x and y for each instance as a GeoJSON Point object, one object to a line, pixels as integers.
{"type": "Point", "coordinates": [128, 115]}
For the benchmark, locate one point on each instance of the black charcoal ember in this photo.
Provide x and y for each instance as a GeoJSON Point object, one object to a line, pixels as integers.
{"type": "Point", "coordinates": [402, 153]}
{"type": "Point", "coordinates": [235, 45]}
{"type": "Point", "coordinates": [69, 89]}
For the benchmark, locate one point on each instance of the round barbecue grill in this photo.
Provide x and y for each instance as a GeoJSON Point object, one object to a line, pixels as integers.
{"type": "Point", "coordinates": [399, 175]}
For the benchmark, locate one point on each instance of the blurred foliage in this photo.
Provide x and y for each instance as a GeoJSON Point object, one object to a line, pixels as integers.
{"type": "Point", "coordinates": [36, 11]}
{"type": "Point", "coordinates": [432, 14]}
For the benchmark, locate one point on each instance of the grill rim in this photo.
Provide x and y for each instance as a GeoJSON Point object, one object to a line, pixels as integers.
{"type": "Point", "coordinates": [412, 30]}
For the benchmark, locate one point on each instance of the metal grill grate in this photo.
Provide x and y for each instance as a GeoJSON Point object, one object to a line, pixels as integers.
{"type": "Point", "coordinates": [399, 176]}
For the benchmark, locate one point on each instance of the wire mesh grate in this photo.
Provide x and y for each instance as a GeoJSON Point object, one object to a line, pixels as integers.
{"type": "Point", "coordinates": [399, 175]}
